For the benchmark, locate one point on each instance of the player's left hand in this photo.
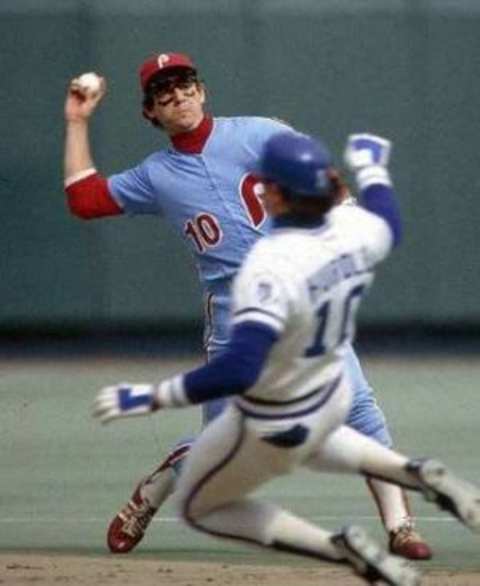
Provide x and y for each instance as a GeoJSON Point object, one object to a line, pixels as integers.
{"type": "Point", "coordinates": [366, 150]}
{"type": "Point", "coordinates": [124, 400]}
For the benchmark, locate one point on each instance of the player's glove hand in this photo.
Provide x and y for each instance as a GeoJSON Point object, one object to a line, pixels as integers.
{"type": "Point", "coordinates": [367, 156]}
{"type": "Point", "coordinates": [365, 150]}
{"type": "Point", "coordinates": [124, 400]}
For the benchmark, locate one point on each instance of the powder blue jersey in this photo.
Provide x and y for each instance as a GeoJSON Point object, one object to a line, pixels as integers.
{"type": "Point", "coordinates": [211, 198]}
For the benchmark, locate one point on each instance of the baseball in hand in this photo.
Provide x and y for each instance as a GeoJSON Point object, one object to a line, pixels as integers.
{"type": "Point", "coordinates": [88, 83]}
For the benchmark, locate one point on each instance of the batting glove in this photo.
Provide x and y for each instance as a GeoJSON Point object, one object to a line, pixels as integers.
{"type": "Point", "coordinates": [367, 156]}
{"type": "Point", "coordinates": [124, 400]}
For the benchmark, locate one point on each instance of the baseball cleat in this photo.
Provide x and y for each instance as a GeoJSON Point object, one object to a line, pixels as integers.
{"type": "Point", "coordinates": [409, 544]}
{"type": "Point", "coordinates": [371, 562]}
{"type": "Point", "coordinates": [449, 492]}
{"type": "Point", "coordinates": [128, 527]}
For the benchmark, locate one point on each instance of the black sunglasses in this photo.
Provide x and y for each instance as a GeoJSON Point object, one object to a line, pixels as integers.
{"type": "Point", "coordinates": [160, 89]}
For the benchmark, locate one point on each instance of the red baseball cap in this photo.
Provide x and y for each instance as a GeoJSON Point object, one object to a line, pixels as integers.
{"type": "Point", "coordinates": [162, 62]}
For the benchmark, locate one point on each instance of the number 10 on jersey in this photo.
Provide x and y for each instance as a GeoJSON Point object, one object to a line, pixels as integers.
{"type": "Point", "coordinates": [335, 322]}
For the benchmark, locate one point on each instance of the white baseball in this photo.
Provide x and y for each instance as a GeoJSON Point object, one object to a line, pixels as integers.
{"type": "Point", "coordinates": [89, 82]}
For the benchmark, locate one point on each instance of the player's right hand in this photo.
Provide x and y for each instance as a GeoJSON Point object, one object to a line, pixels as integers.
{"type": "Point", "coordinates": [366, 150]}
{"type": "Point", "coordinates": [80, 104]}
{"type": "Point", "coordinates": [124, 400]}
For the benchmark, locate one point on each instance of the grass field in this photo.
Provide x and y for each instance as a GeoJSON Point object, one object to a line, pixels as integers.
{"type": "Point", "coordinates": [64, 475]}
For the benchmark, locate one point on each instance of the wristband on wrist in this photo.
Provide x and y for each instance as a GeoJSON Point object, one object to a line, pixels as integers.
{"type": "Point", "coordinates": [170, 393]}
{"type": "Point", "coordinates": [371, 175]}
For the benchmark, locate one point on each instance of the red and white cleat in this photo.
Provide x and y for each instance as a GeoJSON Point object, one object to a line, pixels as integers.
{"type": "Point", "coordinates": [128, 527]}
{"type": "Point", "coordinates": [409, 544]}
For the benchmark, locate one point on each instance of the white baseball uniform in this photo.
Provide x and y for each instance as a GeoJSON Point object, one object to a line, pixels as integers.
{"type": "Point", "coordinates": [286, 371]}
{"type": "Point", "coordinates": [305, 284]}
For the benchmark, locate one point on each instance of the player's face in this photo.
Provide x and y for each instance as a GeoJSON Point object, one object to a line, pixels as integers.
{"type": "Point", "coordinates": [178, 106]}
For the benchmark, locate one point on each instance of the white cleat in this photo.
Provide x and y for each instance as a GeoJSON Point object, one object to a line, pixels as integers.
{"type": "Point", "coordinates": [373, 563]}
{"type": "Point", "coordinates": [449, 492]}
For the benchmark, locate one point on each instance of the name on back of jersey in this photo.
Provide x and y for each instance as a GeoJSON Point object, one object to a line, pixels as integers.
{"type": "Point", "coordinates": [340, 268]}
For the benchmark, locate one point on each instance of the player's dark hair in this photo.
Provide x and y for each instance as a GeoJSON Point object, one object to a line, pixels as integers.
{"type": "Point", "coordinates": [306, 206]}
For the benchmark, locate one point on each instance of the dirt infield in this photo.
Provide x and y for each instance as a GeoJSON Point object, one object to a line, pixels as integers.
{"type": "Point", "coordinates": [59, 570]}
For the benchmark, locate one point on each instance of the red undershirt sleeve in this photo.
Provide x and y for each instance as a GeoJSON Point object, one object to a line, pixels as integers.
{"type": "Point", "coordinates": [89, 196]}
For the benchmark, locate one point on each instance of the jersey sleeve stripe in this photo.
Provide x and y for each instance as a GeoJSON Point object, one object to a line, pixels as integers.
{"type": "Point", "coordinates": [254, 314]}
{"type": "Point", "coordinates": [258, 310]}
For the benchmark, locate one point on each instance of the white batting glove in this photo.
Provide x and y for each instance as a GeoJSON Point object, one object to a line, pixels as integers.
{"type": "Point", "coordinates": [124, 400]}
{"type": "Point", "coordinates": [367, 156]}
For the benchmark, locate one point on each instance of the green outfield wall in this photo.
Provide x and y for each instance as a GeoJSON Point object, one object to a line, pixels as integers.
{"type": "Point", "coordinates": [409, 70]}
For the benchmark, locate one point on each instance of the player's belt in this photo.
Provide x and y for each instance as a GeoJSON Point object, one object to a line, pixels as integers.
{"type": "Point", "coordinates": [298, 407]}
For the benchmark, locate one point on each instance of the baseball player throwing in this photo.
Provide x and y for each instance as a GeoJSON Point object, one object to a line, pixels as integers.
{"type": "Point", "coordinates": [293, 314]}
{"type": "Point", "coordinates": [205, 186]}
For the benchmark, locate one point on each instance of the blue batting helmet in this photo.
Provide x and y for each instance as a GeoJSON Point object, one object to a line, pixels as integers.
{"type": "Point", "coordinates": [298, 163]}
